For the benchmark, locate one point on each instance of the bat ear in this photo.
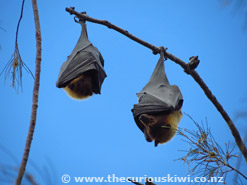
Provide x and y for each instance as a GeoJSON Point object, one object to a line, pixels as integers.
{"type": "Point", "coordinates": [156, 142]}
{"type": "Point", "coordinates": [179, 105]}
{"type": "Point", "coordinates": [146, 119]}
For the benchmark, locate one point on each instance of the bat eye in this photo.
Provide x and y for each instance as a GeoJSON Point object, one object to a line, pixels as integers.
{"type": "Point", "coordinates": [166, 126]}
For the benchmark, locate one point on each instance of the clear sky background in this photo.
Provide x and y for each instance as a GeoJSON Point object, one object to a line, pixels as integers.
{"type": "Point", "coordinates": [98, 137]}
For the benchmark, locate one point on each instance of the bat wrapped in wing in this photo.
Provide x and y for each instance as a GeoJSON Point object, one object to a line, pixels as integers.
{"type": "Point", "coordinates": [158, 111]}
{"type": "Point", "coordinates": [83, 73]}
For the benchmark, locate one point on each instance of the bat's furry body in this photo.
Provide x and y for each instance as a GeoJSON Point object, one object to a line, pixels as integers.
{"type": "Point", "coordinates": [82, 87]}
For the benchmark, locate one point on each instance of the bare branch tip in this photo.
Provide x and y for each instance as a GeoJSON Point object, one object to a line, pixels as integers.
{"type": "Point", "coordinates": [194, 62]}
{"type": "Point", "coordinates": [70, 10]}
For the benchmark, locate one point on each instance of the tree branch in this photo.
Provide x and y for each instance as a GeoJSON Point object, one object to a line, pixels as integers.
{"type": "Point", "coordinates": [187, 68]}
{"type": "Point", "coordinates": [35, 95]}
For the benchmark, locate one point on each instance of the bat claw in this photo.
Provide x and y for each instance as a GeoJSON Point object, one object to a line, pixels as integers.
{"type": "Point", "coordinates": [156, 142]}
{"type": "Point", "coordinates": [76, 19]}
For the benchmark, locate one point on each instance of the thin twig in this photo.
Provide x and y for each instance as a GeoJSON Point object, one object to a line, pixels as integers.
{"type": "Point", "coordinates": [3, 29]}
{"type": "Point", "coordinates": [16, 63]}
{"type": "Point", "coordinates": [35, 95]}
{"type": "Point", "coordinates": [206, 153]}
{"type": "Point", "coordinates": [237, 171]}
{"type": "Point", "coordinates": [18, 24]}
{"type": "Point", "coordinates": [239, 163]}
{"type": "Point", "coordinates": [209, 158]}
{"type": "Point", "coordinates": [180, 62]}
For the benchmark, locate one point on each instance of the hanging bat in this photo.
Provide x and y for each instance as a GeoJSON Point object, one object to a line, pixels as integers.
{"type": "Point", "coordinates": [83, 73]}
{"type": "Point", "coordinates": [158, 111]}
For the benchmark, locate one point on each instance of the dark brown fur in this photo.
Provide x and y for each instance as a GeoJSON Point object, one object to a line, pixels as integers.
{"type": "Point", "coordinates": [82, 87]}
{"type": "Point", "coordinates": [160, 128]}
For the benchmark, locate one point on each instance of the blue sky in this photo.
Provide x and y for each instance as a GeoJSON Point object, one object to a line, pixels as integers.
{"type": "Point", "coordinates": [99, 137]}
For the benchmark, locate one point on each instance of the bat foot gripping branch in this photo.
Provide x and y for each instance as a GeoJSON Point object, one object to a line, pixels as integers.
{"type": "Point", "coordinates": [80, 18]}
{"type": "Point", "coordinates": [163, 49]}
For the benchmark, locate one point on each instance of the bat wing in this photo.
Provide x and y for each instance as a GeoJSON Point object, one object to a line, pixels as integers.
{"type": "Point", "coordinates": [84, 57]}
{"type": "Point", "coordinates": [158, 95]}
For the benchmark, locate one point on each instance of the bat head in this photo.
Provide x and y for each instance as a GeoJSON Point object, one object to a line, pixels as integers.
{"type": "Point", "coordinates": [83, 86]}
{"type": "Point", "coordinates": [160, 127]}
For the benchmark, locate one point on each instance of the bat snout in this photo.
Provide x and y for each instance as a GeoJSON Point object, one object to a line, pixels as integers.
{"type": "Point", "coordinates": [149, 140]}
